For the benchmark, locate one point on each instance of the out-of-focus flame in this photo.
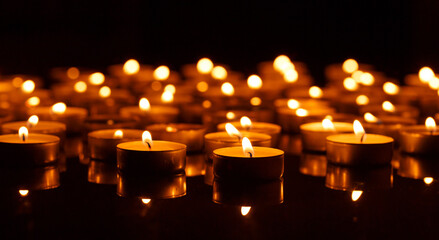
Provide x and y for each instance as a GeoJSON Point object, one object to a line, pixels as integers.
{"type": "Point", "coordinates": [327, 124]}
{"type": "Point", "coordinates": [161, 73]}
{"type": "Point", "coordinates": [247, 147]}
{"type": "Point", "coordinates": [426, 74]}
{"type": "Point", "coordinates": [118, 134]}
{"type": "Point", "coordinates": [369, 117]}
{"type": "Point", "coordinates": [430, 124]}
{"type": "Point", "coordinates": [301, 112]}
{"type": "Point", "coordinates": [170, 88]}
{"type": "Point", "coordinates": [245, 122]}
{"type": "Point", "coordinates": [204, 66]}
{"type": "Point", "coordinates": [315, 92]}
{"type": "Point", "coordinates": [33, 101]}
{"type": "Point", "coordinates": [356, 194]}
{"type": "Point", "coordinates": [23, 192]}
{"type": "Point", "coordinates": [293, 104]}
{"type": "Point", "coordinates": [23, 133]}
{"type": "Point", "coordinates": [232, 131]}
{"type": "Point", "coordinates": [219, 73]}
{"type": "Point", "coordinates": [434, 83]}
{"type": "Point", "coordinates": [291, 75]}
{"type": "Point", "coordinates": [17, 82]}
{"type": "Point", "coordinates": [171, 129]}
{"type": "Point", "coordinates": [350, 65]}
{"type": "Point", "coordinates": [358, 129]}
{"type": "Point", "coordinates": [104, 92]}
{"type": "Point", "coordinates": [144, 104]}
{"type": "Point", "coordinates": [367, 79]}
{"type": "Point", "coordinates": [131, 67]}
{"type": "Point", "coordinates": [230, 115]}
{"type": "Point", "coordinates": [28, 86]}
{"type": "Point", "coordinates": [227, 89]}
{"type": "Point", "coordinates": [255, 101]}
{"type": "Point", "coordinates": [96, 78]}
{"type": "Point", "coordinates": [245, 210]}
{"type": "Point", "coordinates": [147, 139]}
{"type": "Point", "coordinates": [167, 97]}
{"type": "Point", "coordinates": [59, 108]}
{"type": "Point", "coordinates": [146, 201]}
{"type": "Point", "coordinates": [357, 76]}
{"type": "Point", "coordinates": [281, 63]}
{"type": "Point", "coordinates": [254, 82]}
{"type": "Point", "coordinates": [80, 86]}
{"type": "Point", "coordinates": [32, 121]}
{"type": "Point", "coordinates": [428, 180]}
{"type": "Point", "coordinates": [72, 73]}
{"type": "Point", "coordinates": [207, 104]}
{"type": "Point", "coordinates": [202, 86]}
{"type": "Point", "coordinates": [388, 106]}
{"type": "Point", "coordinates": [391, 88]}
{"type": "Point", "coordinates": [350, 84]}
{"type": "Point", "coordinates": [362, 100]}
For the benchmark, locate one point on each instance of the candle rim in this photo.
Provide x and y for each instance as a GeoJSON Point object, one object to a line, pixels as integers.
{"type": "Point", "coordinates": [95, 134]}
{"type": "Point", "coordinates": [17, 124]}
{"type": "Point", "coordinates": [387, 139]}
{"type": "Point", "coordinates": [239, 148]}
{"type": "Point", "coordinates": [162, 126]}
{"type": "Point", "coordinates": [54, 139]}
{"type": "Point", "coordinates": [257, 135]}
{"type": "Point", "coordinates": [304, 127]}
{"type": "Point", "coordinates": [180, 146]}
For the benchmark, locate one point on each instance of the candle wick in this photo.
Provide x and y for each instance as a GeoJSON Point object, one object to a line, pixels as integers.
{"type": "Point", "coordinates": [149, 145]}
{"type": "Point", "coordinates": [251, 155]}
{"type": "Point", "coordinates": [362, 137]}
{"type": "Point", "coordinates": [23, 137]}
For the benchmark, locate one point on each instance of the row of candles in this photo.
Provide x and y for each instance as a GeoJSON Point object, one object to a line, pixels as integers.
{"type": "Point", "coordinates": [212, 95]}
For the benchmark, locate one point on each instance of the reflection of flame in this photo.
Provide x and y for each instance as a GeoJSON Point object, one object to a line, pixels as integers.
{"type": "Point", "coordinates": [23, 133]}
{"type": "Point", "coordinates": [388, 106]}
{"type": "Point", "coordinates": [32, 121]}
{"type": "Point", "coordinates": [254, 82]}
{"type": "Point", "coordinates": [428, 180]}
{"type": "Point", "coordinates": [33, 101]}
{"type": "Point", "coordinates": [146, 201]}
{"type": "Point", "coordinates": [204, 66]}
{"type": "Point", "coordinates": [362, 100]}
{"type": "Point", "coordinates": [291, 75]}
{"type": "Point", "coordinates": [219, 73]}
{"type": "Point", "coordinates": [245, 122]}
{"type": "Point", "coordinates": [391, 88]}
{"type": "Point", "coordinates": [327, 124]}
{"type": "Point", "coordinates": [28, 86]}
{"type": "Point", "coordinates": [167, 97]}
{"type": "Point", "coordinates": [118, 134]}
{"type": "Point", "coordinates": [301, 112]}
{"type": "Point", "coordinates": [72, 73]}
{"type": "Point", "coordinates": [23, 192]}
{"type": "Point", "coordinates": [356, 194]}
{"type": "Point", "coordinates": [59, 108]}
{"type": "Point", "coordinates": [161, 73]}
{"type": "Point", "coordinates": [147, 139]}
{"type": "Point", "coordinates": [80, 87]}
{"type": "Point", "coordinates": [230, 115]}
{"type": "Point", "coordinates": [232, 131]}
{"type": "Point", "coordinates": [293, 104]}
{"type": "Point", "coordinates": [255, 101]}
{"type": "Point", "coordinates": [350, 84]}
{"type": "Point", "coordinates": [131, 67]}
{"type": "Point", "coordinates": [96, 78]}
{"type": "Point", "coordinates": [369, 117]}
{"type": "Point", "coordinates": [202, 86]}
{"type": "Point", "coordinates": [227, 89]}
{"type": "Point", "coordinates": [144, 104]}
{"type": "Point", "coordinates": [245, 210]}
{"type": "Point", "coordinates": [104, 92]}
{"type": "Point", "coordinates": [350, 66]}
{"type": "Point", "coordinates": [430, 124]}
{"type": "Point", "coordinates": [358, 129]}
{"type": "Point", "coordinates": [426, 74]}
{"type": "Point", "coordinates": [315, 92]}
{"type": "Point", "coordinates": [247, 147]}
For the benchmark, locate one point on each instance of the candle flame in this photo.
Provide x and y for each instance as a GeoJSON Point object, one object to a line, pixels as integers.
{"type": "Point", "coordinates": [170, 88]}
{"type": "Point", "coordinates": [23, 133]}
{"type": "Point", "coordinates": [23, 192]}
{"type": "Point", "coordinates": [293, 104]}
{"type": "Point", "coordinates": [104, 92]}
{"type": "Point", "coordinates": [80, 86]}
{"type": "Point", "coordinates": [362, 100]}
{"type": "Point", "coordinates": [430, 124]}
{"type": "Point", "coordinates": [245, 210]}
{"type": "Point", "coordinates": [167, 97]}
{"type": "Point", "coordinates": [28, 86]}
{"type": "Point", "coordinates": [146, 201]}
{"type": "Point", "coordinates": [33, 101]}
{"type": "Point", "coordinates": [291, 75]}
{"type": "Point", "coordinates": [73, 73]}
{"type": "Point", "coordinates": [369, 117]}
{"type": "Point", "coordinates": [227, 89]}
{"type": "Point", "coordinates": [434, 83]}
{"type": "Point", "coordinates": [207, 104]}
{"type": "Point", "coordinates": [247, 147]}
{"type": "Point", "coordinates": [32, 121]}
{"type": "Point", "coordinates": [232, 131]}
{"type": "Point", "coordinates": [255, 101]}
{"type": "Point", "coordinates": [147, 139]}
{"type": "Point", "coordinates": [388, 106]}
{"type": "Point", "coordinates": [357, 75]}
{"type": "Point", "coordinates": [367, 79]}
{"type": "Point", "coordinates": [358, 129]}
{"type": "Point", "coordinates": [356, 194]}
{"type": "Point", "coordinates": [161, 73]}
{"type": "Point", "coordinates": [254, 82]}
{"type": "Point", "coordinates": [350, 84]}
{"type": "Point", "coordinates": [144, 104]}
{"type": "Point", "coordinates": [301, 112]}
{"type": "Point", "coordinates": [426, 74]}
{"type": "Point", "coordinates": [428, 180]}
{"type": "Point", "coordinates": [118, 134]}
{"type": "Point", "coordinates": [315, 92]}
{"type": "Point", "coordinates": [391, 88]}
{"type": "Point", "coordinates": [131, 67]}
{"type": "Point", "coordinates": [245, 122]}
{"type": "Point", "coordinates": [59, 108]}
{"type": "Point", "coordinates": [350, 65]}
{"type": "Point", "coordinates": [219, 73]}
{"type": "Point", "coordinates": [281, 63]}
{"type": "Point", "coordinates": [202, 86]}
{"type": "Point", "coordinates": [327, 124]}
{"type": "Point", "coordinates": [204, 66]}
{"type": "Point", "coordinates": [230, 115]}
{"type": "Point", "coordinates": [329, 117]}
{"type": "Point", "coordinates": [96, 78]}
{"type": "Point", "coordinates": [171, 129]}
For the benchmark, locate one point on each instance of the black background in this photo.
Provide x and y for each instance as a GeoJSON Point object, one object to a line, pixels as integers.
{"type": "Point", "coordinates": [398, 37]}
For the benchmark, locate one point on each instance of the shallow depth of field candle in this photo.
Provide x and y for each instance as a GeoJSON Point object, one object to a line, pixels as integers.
{"type": "Point", "coordinates": [189, 134]}
{"type": "Point", "coordinates": [28, 149]}
{"type": "Point", "coordinates": [422, 140]}
{"type": "Point", "coordinates": [359, 148]}
{"type": "Point", "coordinates": [314, 134]}
{"type": "Point", "coordinates": [248, 162]}
{"type": "Point", "coordinates": [148, 156]}
{"type": "Point", "coordinates": [36, 126]}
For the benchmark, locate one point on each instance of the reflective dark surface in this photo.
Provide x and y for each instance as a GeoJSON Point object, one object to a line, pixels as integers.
{"type": "Point", "coordinates": [394, 204]}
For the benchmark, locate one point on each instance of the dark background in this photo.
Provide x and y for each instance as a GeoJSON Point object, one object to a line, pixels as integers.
{"type": "Point", "coordinates": [398, 37]}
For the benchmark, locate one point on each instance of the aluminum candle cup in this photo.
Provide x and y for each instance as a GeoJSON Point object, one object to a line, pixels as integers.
{"type": "Point", "coordinates": [102, 172]}
{"type": "Point", "coordinates": [389, 126]}
{"type": "Point", "coordinates": [266, 163]}
{"type": "Point", "coordinates": [163, 157]}
{"type": "Point", "coordinates": [43, 127]}
{"type": "Point", "coordinates": [400, 110]}
{"type": "Point", "coordinates": [271, 129]}
{"type": "Point", "coordinates": [291, 121]}
{"type": "Point", "coordinates": [192, 135]}
{"type": "Point", "coordinates": [348, 149]}
{"type": "Point", "coordinates": [418, 140]}
{"type": "Point", "coordinates": [314, 134]}
{"type": "Point", "coordinates": [102, 144]}
{"type": "Point", "coordinates": [73, 117]}
{"type": "Point", "coordinates": [156, 114]}
{"type": "Point", "coordinates": [38, 149]}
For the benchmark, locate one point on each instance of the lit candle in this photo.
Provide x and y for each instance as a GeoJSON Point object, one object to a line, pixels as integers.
{"type": "Point", "coordinates": [359, 148]}
{"type": "Point", "coordinates": [36, 126]}
{"type": "Point", "coordinates": [150, 156]}
{"type": "Point", "coordinates": [387, 108]}
{"type": "Point", "coordinates": [386, 125]}
{"type": "Point", "coordinates": [422, 140]}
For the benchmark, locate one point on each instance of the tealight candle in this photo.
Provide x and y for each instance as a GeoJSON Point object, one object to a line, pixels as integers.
{"type": "Point", "coordinates": [150, 156]}
{"type": "Point", "coordinates": [24, 149]}
{"type": "Point", "coordinates": [102, 143]}
{"type": "Point", "coordinates": [386, 125]}
{"type": "Point", "coordinates": [36, 126]}
{"type": "Point", "coordinates": [387, 108]}
{"type": "Point", "coordinates": [189, 134]}
{"type": "Point", "coordinates": [314, 134]}
{"type": "Point", "coordinates": [422, 140]}
{"type": "Point", "coordinates": [248, 162]}
{"type": "Point", "coordinates": [359, 148]}
{"type": "Point", "coordinates": [291, 118]}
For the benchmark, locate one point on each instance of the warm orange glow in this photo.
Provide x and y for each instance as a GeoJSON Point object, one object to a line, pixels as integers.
{"type": "Point", "coordinates": [171, 129]}
{"type": "Point", "coordinates": [301, 112]}
{"type": "Point", "coordinates": [161, 73]}
{"type": "Point", "coordinates": [428, 180]}
{"type": "Point", "coordinates": [227, 89]}
{"type": "Point", "coordinates": [219, 73]}
{"type": "Point", "coordinates": [167, 97]}
{"type": "Point", "coordinates": [357, 75]}
{"type": "Point", "coordinates": [254, 82]}
{"type": "Point", "coordinates": [245, 210]}
{"type": "Point", "coordinates": [327, 124]}
{"type": "Point", "coordinates": [32, 121]}
{"type": "Point", "coordinates": [281, 63]}
{"type": "Point", "coordinates": [391, 88]}
{"type": "Point", "coordinates": [358, 129]}
{"type": "Point", "coordinates": [104, 92]}
{"type": "Point", "coordinates": [118, 134]}
{"type": "Point", "coordinates": [350, 84]}
{"type": "Point", "coordinates": [362, 100]}
{"type": "Point", "coordinates": [350, 66]}
{"type": "Point", "coordinates": [156, 85]}
{"type": "Point", "coordinates": [426, 74]}
{"type": "Point", "coordinates": [59, 108]}
{"type": "Point", "coordinates": [230, 115]}
{"type": "Point", "coordinates": [369, 117]}
{"type": "Point", "coordinates": [245, 122]}
{"type": "Point", "coordinates": [434, 83]}
{"type": "Point", "coordinates": [17, 82]}
{"type": "Point", "coordinates": [315, 92]}
{"type": "Point", "coordinates": [204, 66]}
{"type": "Point", "coordinates": [430, 124]}
{"type": "Point", "coordinates": [80, 86]}
{"type": "Point", "coordinates": [367, 79]}
{"type": "Point", "coordinates": [293, 104]}
{"type": "Point", "coordinates": [202, 86]}
{"type": "Point", "coordinates": [96, 78]}
{"type": "Point", "coordinates": [232, 131]}
{"type": "Point", "coordinates": [147, 139]}
{"type": "Point", "coordinates": [356, 194]}
{"type": "Point", "coordinates": [329, 117]}
{"type": "Point", "coordinates": [146, 201]}
{"type": "Point", "coordinates": [72, 73]}
{"type": "Point", "coordinates": [247, 147]}
{"type": "Point", "coordinates": [33, 101]}
{"type": "Point", "coordinates": [291, 75]}
{"type": "Point", "coordinates": [388, 106]}
{"type": "Point", "coordinates": [131, 67]}
{"type": "Point", "coordinates": [23, 133]}
{"type": "Point", "coordinates": [144, 104]}
{"type": "Point", "coordinates": [207, 104]}
{"type": "Point", "coordinates": [170, 88]}
{"type": "Point", "coordinates": [28, 86]}
{"type": "Point", "coordinates": [23, 192]}
{"type": "Point", "coordinates": [255, 101]}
